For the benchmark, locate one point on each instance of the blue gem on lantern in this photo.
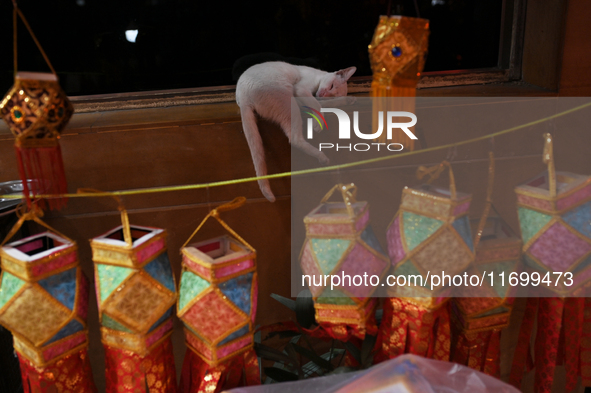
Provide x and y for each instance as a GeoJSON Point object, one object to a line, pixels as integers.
{"type": "Point", "coordinates": [397, 51]}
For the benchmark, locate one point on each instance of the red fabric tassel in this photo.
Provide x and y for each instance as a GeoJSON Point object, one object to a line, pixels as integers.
{"type": "Point", "coordinates": [347, 332]}
{"type": "Point", "coordinates": [199, 377]}
{"type": "Point", "coordinates": [410, 328]}
{"type": "Point", "coordinates": [479, 350]}
{"type": "Point", "coordinates": [128, 372]}
{"type": "Point", "coordinates": [561, 338]}
{"type": "Point", "coordinates": [70, 374]}
{"type": "Point", "coordinates": [585, 365]}
{"type": "Point", "coordinates": [522, 351]}
{"type": "Point", "coordinates": [42, 171]}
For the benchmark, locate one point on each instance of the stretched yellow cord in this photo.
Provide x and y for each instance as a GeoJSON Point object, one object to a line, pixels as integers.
{"type": "Point", "coordinates": [306, 171]}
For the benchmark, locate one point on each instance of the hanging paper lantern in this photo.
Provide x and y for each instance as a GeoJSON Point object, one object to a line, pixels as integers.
{"type": "Point", "coordinates": [340, 243]}
{"type": "Point", "coordinates": [44, 302]}
{"type": "Point", "coordinates": [554, 210]}
{"type": "Point", "coordinates": [480, 319]}
{"type": "Point", "coordinates": [430, 234]}
{"type": "Point", "coordinates": [397, 54]}
{"type": "Point", "coordinates": [217, 304]}
{"type": "Point", "coordinates": [136, 294]}
{"type": "Point", "coordinates": [498, 251]}
{"type": "Point", "coordinates": [37, 110]}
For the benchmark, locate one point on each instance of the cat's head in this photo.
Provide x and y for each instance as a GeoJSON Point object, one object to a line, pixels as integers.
{"type": "Point", "coordinates": [334, 84]}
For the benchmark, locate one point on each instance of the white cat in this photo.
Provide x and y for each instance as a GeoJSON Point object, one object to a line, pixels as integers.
{"type": "Point", "coordinates": [267, 89]}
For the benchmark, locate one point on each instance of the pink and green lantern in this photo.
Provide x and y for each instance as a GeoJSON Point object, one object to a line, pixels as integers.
{"type": "Point", "coordinates": [430, 234]}
{"type": "Point", "coordinates": [341, 242]}
{"type": "Point", "coordinates": [554, 210]}
{"type": "Point", "coordinates": [136, 293]}
{"type": "Point", "coordinates": [44, 303]}
{"type": "Point", "coordinates": [217, 303]}
{"type": "Point", "coordinates": [498, 252]}
{"type": "Point", "coordinates": [479, 319]}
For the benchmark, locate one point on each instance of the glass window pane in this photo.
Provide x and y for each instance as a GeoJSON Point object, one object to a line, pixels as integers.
{"type": "Point", "coordinates": [113, 46]}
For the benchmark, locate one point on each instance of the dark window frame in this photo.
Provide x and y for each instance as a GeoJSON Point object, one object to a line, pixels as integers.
{"type": "Point", "coordinates": [508, 69]}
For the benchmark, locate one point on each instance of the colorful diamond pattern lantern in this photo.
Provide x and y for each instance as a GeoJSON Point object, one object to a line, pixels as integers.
{"type": "Point", "coordinates": [498, 251]}
{"type": "Point", "coordinates": [44, 302]}
{"type": "Point", "coordinates": [136, 294]}
{"type": "Point", "coordinates": [480, 318]}
{"type": "Point", "coordinates": [340, 242]}
{"type": "Point", "coordinates": [553, 210]}
{"type": "Point", "coordinates": [555, 229]}
{"type": "Point", "coordinates": [135, 287]}
{"type": "Point", "coordinates": [430, 233]}
{"type": "Point", "coordinates": [217, 303]}
{"type": "Point", "coordinates": [217, 298]}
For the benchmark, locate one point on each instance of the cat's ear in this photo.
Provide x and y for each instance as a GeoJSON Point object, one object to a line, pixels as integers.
{"type": "Point", "coordinates": [346, 73]}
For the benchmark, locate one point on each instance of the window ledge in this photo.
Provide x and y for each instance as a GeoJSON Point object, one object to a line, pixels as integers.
{"type": "Point", "coordinates": [221, 94]}
{"type": "Point", "coordinates": [117, 112]}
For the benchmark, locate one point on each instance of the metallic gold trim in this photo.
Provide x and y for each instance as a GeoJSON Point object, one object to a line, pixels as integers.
{"type": "Point", "coordinates": [216, 361]}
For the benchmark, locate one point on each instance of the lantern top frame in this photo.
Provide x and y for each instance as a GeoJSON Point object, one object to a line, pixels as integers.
{"type": "Point", "coordinates": [34, 248]}
{"type": "Point", "coordinates": [229, 250]}
{"type": "Point", "coordinates": [114, 237]}
{"type": "Point", "coordinates": [336, 212]}
{"type": "Point", "coordinates": [566, 183]}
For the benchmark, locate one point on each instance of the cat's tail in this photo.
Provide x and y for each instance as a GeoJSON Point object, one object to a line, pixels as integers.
{"type": "Point", "coordinates": [255, 143]}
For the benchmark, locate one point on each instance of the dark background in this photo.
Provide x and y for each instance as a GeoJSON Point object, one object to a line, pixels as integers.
{"type": "Point", "coordinates": [189, 43]}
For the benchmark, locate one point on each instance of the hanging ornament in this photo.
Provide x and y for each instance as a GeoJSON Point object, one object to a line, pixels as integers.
{"type": "Point", "coordinates": [217, 303]}
{"type": "Point", "coordinates": [44, 302]}
{"type": "Point", "coordinates": [397, 54]}
{"type": "Point", "coordinates": [429, 233]}
{"type": "Point", "coordinates": [554, 210]}
{"type": "Point", "coordinates": [136, 294]}
{"type": "Point", "coordinates": [37, 110]}
{"type": "Point", "coordinates": [340, 242]}
{"type": "Point", "coordinates": [478, 320]}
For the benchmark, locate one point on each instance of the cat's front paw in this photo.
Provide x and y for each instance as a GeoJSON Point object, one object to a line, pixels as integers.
{"type": "Point", "coordinates": [323, 159]}
{"type": "Point", "coordinates": [351, 100]}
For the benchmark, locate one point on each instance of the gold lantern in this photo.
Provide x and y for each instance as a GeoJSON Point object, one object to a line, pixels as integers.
{"type": "Point", "coordinates": [397, 54]}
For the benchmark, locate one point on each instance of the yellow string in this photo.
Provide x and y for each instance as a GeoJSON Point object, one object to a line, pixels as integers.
{"type": "Point", "coordinates": [17, 10]}
{"type": "Point", "coordinates": [434, 173]}
{"type": "Point", "coordinates": [234, 204]}
{"type": "Point", "coordinates": [124, 217]}
{"type": "Point", "coordinates": [488, 203]}
{"type": "Point", "coordinates": [14, 30]}
{"type": "Point", "coordinates": [548, 158]}
{"type": "Point", "coordinates": [349, 193]}
{"type": "Point", "coordinates": [34, 214]}
{"type": "Point", "coordinates": [306, 171]}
